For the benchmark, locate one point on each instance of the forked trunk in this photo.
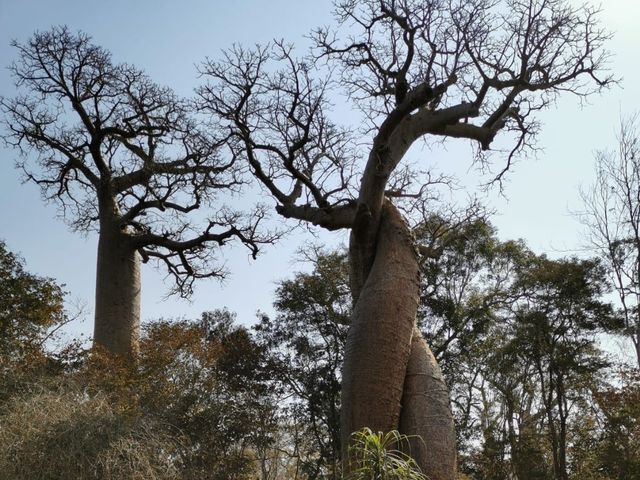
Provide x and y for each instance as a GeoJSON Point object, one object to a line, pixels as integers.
{"type": "Point", "coordinates": [379, 339]}
{"type": "Point", "coordinates": [390, 379]}
{"type": "Point", "coordinates": [117, 309]}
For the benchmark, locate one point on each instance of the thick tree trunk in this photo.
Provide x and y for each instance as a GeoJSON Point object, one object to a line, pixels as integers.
{"type": "Point", "coordinates": [382, 349]}
{"type": "Point", "coordinates": [117, 309]}
{"type": "Point", "coordinates": [426, 413]}
{"type": "Point", "coordinates": [379, 339]}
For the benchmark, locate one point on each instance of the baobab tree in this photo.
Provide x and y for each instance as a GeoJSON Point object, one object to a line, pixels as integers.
{"type": "Point", "coordinates": [126, 157]}
{"type": "Point", "coordinates": [417, 70]}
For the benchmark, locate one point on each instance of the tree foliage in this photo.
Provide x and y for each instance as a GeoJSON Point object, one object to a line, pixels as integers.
{"type": "Point", "coordinates": [31, 311]}
{"type": "Point", "coordinates": [305, 347]}
{"type": "Point", "coordinates": [29, 305]}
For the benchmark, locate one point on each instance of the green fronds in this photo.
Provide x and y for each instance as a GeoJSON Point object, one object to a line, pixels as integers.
{"type": "Point", "coordinates": [379, 456]}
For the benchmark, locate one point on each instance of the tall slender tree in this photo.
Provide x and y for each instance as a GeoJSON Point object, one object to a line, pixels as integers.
{"type": "Point", "coordinates": [416, 69]}
{"type": "Point", "coordinates": [612, 218]}
{"type": "Point", "coordinates": [548, 334]}
{"type": "Point", "coordinates": [126, 157]}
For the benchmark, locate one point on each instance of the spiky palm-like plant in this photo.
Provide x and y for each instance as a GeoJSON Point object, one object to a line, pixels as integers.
{"type": "Point", "coordinates": [379, 456]}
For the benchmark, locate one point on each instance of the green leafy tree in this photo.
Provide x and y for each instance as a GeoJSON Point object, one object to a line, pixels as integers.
{"type": "Point", "coordinates": [508, 326]}
{"type": "Point", "coordinates": [617, 453]}
{"type": "Point", "coordinates": [548, 360]}
{"type": "Point", "coordinates": [29, 305]}
{"type": "Point", "coordinates": [305, 343]}
{"type": "Point", "coordinates": [31, 311]}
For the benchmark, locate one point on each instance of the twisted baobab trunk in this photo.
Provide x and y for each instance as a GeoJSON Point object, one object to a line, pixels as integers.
{"type": "Point", "coordinates": [390, 378]}
{"type": "Point", "coordinates": [426, 413]}
{"type": "Point", "coordinates": [117, 314]}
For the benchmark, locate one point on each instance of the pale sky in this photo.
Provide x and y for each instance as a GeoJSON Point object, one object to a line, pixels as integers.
{"type": "Point", "coordinates": [168, 38]}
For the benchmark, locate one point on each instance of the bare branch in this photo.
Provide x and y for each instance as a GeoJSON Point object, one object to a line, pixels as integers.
{"type": "Point", "coordinates": [277, 114]}
{"type": "Point", "coordinates": [118, 152]}
{"type": "Point", "coordinates": [190, 257]}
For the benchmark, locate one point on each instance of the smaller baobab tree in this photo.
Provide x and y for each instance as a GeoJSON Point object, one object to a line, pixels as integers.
{"type": "Point", "coordinates": [124, 156]}
{"type": "Point", "coordinates": [612, 219]}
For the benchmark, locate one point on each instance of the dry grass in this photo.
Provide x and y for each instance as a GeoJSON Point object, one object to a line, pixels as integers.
{"type": "Point", "coordinates": [56, 436]}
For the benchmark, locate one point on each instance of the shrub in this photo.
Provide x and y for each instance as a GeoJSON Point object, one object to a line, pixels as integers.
{"type": "Point", "coordinates": [378, 456]}
{"type": "Point", "coordinates": [63, 435]}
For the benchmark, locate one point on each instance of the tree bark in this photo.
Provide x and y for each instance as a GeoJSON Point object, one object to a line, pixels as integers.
{"type": "Point", "coordinates": [117, 309]}
{"type": "Point", "coordinates": [390, 379]}
{"type": "Point", "coordinates": [426, 413]}
{"type": "Point", "coordinates": [379, 340]}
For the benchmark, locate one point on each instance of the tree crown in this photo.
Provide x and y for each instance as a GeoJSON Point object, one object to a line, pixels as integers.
{"type": "Point", "coordinates": [117, 151]}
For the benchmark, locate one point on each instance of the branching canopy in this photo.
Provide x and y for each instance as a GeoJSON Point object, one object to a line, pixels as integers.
{"type": "Point", "coordinates": [116, 150]}
{"type": "Point", "coordinates": [442, 68]}
{"type": "Point", "coordinates": [276, 114]}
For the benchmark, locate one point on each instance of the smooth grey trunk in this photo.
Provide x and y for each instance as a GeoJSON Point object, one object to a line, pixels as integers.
{"type": "Point", "coordinates": [390, 379]}
{"type": "Point", "coordinates": [117, 308]}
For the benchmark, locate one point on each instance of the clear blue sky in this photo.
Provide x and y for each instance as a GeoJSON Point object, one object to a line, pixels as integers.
{"type": "Point", "coordinates": [168, 38]}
